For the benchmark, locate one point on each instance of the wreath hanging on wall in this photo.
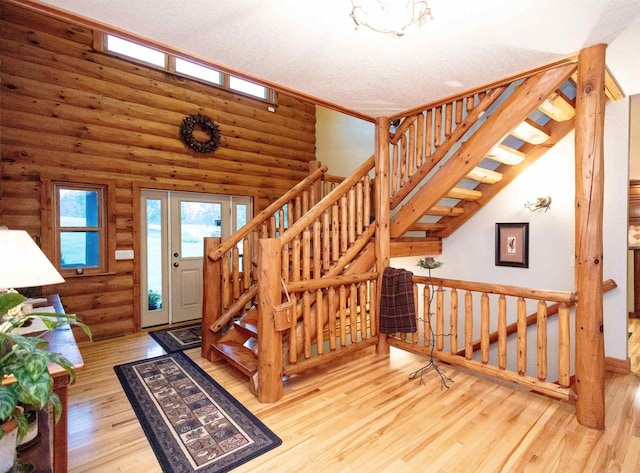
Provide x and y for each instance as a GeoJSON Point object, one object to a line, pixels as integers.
{"type": "Point", "coordinates": [189, 123]}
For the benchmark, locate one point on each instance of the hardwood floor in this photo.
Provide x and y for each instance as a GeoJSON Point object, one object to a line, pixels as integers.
{"type": "Point", "coordinates": [367, 416]}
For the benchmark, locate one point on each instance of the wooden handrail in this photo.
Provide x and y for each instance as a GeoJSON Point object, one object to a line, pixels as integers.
{"type": "Point", "coordinates": [552, 310]}
{"type": "Point", "coordinates": [326, 202]}
{"type": "Point", "coordinates": [321, 283]}
{"type": "Point", "coordinates": [266, 214]}
{"type": "Point", "coordinates": [515, 291]}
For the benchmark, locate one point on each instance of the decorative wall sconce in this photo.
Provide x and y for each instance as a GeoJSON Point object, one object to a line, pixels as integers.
{"type": "Point", "coordinates": [539, 203]}
{"type": "Point", "coordinates": [390, 16]}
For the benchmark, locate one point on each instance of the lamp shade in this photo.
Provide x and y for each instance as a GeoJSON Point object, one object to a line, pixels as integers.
{"type": "Point", "coordinates": [22, 263]}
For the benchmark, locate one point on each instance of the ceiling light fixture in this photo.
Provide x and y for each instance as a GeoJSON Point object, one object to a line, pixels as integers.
{"type": "Point", "coordinates": [390, 16]}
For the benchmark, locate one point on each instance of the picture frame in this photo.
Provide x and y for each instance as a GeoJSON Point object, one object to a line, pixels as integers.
{"type": "Point", "coordinates": [512, 244]}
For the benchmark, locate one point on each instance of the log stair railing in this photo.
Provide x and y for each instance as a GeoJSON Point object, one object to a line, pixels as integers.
{"type": "Point", "coordinates": [447, 329]}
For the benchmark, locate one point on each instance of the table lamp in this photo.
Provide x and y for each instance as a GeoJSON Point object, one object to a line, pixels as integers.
{"type": "Point", "coordinates": [22, 262]}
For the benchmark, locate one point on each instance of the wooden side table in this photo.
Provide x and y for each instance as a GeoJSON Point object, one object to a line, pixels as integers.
{"type": "Point", "coordinates": [63, 342]}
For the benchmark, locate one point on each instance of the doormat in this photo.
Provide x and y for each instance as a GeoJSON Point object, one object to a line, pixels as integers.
{"type": "Point", "coordinates": [191, 422]}
{"type": "Point", "coordinates": [178, 338]}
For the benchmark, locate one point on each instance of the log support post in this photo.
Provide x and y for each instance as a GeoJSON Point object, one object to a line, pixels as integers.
{"type": "Point", "coordinates": [589, 148]}
{"type": "Point", "coordinates": [211, 297]}
{"type": "Point", "coordinates": [269, 376]}
{"type": "Point", "coordinates": [383, 217]}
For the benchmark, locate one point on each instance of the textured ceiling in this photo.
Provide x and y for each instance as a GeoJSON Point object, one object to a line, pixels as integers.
{"type": "Point", "coordinates": [312, 46]}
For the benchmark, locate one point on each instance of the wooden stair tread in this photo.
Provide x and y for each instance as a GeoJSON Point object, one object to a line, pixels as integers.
{"type": "Point", "coordinates": [530, 132]}
{"type": "Point", "coordinates": [558, 107]}
{"type": "Point", "coordinates": [426, 227]}
{"type": "Point", "coordinates": [247, 326]}
{"type": "Point", "coordinates": [506, 155]}
{"type": "Point", "coordinates": [442, 211]}
{"type": "Point", "coordinates": [238, 355]}
{"type": "Point", "coordinates": [464, 194]}
{"type": "Point", "coordinates": [485, 176]}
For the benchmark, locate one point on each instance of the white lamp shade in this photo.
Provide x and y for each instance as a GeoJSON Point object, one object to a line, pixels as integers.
{"type": "Point", "coordinates": [22, 263]}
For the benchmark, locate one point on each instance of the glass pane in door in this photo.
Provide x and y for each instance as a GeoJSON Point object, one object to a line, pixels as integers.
{"type": "Point", "coordinates": [154, 254]}
{"type": "Point", "coordinates": [198, 220]}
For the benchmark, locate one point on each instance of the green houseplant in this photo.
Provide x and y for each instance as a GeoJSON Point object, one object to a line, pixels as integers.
{"type": "Point", "coordinates": [24, 359]}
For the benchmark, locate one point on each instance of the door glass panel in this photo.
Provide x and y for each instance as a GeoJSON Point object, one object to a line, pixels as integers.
{"type": "Point", "coordinates": [154, 254]}
{"type": "Point", "coordinates": [198, 220]}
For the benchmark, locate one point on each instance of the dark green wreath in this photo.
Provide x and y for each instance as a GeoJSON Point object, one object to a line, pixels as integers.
{"type": "Point", "coordinates": [186, 133]}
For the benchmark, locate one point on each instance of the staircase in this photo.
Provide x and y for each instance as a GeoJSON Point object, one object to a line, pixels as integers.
{"type": "Point", "coordinates": [447, 160]}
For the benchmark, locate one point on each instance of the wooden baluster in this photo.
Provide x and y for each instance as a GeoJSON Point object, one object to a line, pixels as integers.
{"type": "Point", "coordinates": [420, 140]}
{"type": "Point", "coordinates": [564, 348]}
{"type": "Point", "coordinates": [293, 339]}
{"type": "Point", "coordinates": [306, 323]}
{"type": "Point", "coordinates": [291, 210]}
{"type": "Point", "coordinates": [411, 158]}
{"type": "Point", "coordinates": [298, 208]}
{"type": "Point", "coordinates": [313, 198]}
{"type": "Point", "coordinates": [280, 221]}
{"type": "Point", "coordinates": [247, 270]}
{"type": "Point", "coordinates": [429, 131]}
{"type": "Point", "coordinates": [470, 103]}
{"type": "Point", "coordinates": [415, 335]}
{"type": "Point", "coordinates": [484, 327]}
{"type": "Point", "coordinates": [395, 170]}
{"type": "Point", "coordinates": [373, 320]}
{"type": "Point", "coordinates": [352, 216]}
{"type": "Point", "coordinates": [522, 336]}
{"type": "Point", "coordinates": [437, 129]}
{"type": "Point", "coordinates": [326, 241]}
{"type": "Point", "coordinates": [306, 255]}
{"type": "Point", "coordinates": [317, 245]}
{"type": "Point", "coordinates": [448, 120]}
{"type": "Point", "coordinates": [359, 208]}
{"type": "Point", "coordinates": [362, 304]}
{"type": "Point", "coordinates": [226, 284]}
{"type": "Point", "coordinates": [542, 340]}
{"type": "Point", "coordinates": [335, 233]}
{"type": "Point", "coordinates": [286, 267]}
{"type": "Point", "coordinates": [264, 230]}
{"type": "Point", "coordinates": [459, 111]}
{"type": "Point", "coordinates": [343, 225]}
{"type": "Point", "coordinates": [343, 316]}
{"type": "Point", "coordinates": [331, 301]}
{"type": "Point", "coordinates": [353, 312]}
{"type": "Point", "coordinates": [426, 316]}
{"type": "Point", "coordinates": [235, 267]}
{"type": "Point", "coordinates": [440, 319]}
{"type": "Point", "coordinates": [502, 332]}
{"type": "Point", "coordinates": [295, 257]}
{"type": "Point", "coordinates": [403, 161]}
{"type": "Point", "coordinates": [366, 214]}
{"type": "Point", "coordinates": [305, 202]}
{"type": "Point", "coordinates": [454, 320]}
{"type": "Point", "coordinates": [468, 325]}
{"type": "Point", "coordinates": [272, 227]}
{"type": "Point", "coordinates": [319, 319]}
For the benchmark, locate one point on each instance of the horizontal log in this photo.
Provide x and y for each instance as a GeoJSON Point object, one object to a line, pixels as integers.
{"type": "Point", "coordinates": [489, 288]}
{"type": "Point", "coordinates": [415, 247]}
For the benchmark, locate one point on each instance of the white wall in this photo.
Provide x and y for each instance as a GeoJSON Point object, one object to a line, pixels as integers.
{"type": "Point", "coordinates": [342, 142]}
{"type": "Point", "coordinates": [634, 138]}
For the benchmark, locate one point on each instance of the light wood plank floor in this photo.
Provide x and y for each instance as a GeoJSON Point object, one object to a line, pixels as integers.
{"type": "Point", "coordinates": [367, 416]}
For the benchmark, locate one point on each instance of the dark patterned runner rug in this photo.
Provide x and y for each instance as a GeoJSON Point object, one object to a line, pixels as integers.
{"type": "Point", "coordinates": [178, 338]}
{"type": "Point", "coordinates": [191, 422]}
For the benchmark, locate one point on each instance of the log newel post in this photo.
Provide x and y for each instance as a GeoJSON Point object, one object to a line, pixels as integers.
{"type": "Point", "coordinates": [269, 379]}
{"type": "Point", "coordinates": [589, 148]}
{"type": "Point", "coordinates": [383, 217]}
{"type": "Point", "coordinates": [211, 297]}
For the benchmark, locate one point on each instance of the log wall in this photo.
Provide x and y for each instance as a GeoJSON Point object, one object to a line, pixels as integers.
{"type": "Point", "coordinates": [68, 111]}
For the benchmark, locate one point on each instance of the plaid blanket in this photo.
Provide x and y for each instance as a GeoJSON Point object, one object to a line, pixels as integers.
{"type": "Point", "coordinates": [397, 309]}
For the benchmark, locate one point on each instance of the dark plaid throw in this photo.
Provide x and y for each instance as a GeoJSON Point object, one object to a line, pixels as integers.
{"type": "Point", "coordinates": [397, 310]}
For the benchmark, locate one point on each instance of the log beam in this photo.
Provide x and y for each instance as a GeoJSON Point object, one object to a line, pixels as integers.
{"type": "Point", "coordinates": [589, 149]}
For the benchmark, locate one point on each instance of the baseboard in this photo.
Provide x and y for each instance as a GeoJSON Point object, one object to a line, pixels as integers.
{"type": "Point", "coordinates": [616, 365]}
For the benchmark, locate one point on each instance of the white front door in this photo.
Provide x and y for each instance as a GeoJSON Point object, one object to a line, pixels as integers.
{"type": "Point", "coordinates": [173, 227]}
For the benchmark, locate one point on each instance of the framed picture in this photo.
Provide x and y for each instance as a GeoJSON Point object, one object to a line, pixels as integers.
{"type": "Point", "coordinates": [512, 244]}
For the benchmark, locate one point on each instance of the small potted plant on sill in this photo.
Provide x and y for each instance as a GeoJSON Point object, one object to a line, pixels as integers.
{"type": "Point", "coordinates": [23, 366]}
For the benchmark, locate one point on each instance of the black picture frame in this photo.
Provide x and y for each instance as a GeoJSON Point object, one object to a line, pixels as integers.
{"type": "Point", "coordinates": [512, 244]}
